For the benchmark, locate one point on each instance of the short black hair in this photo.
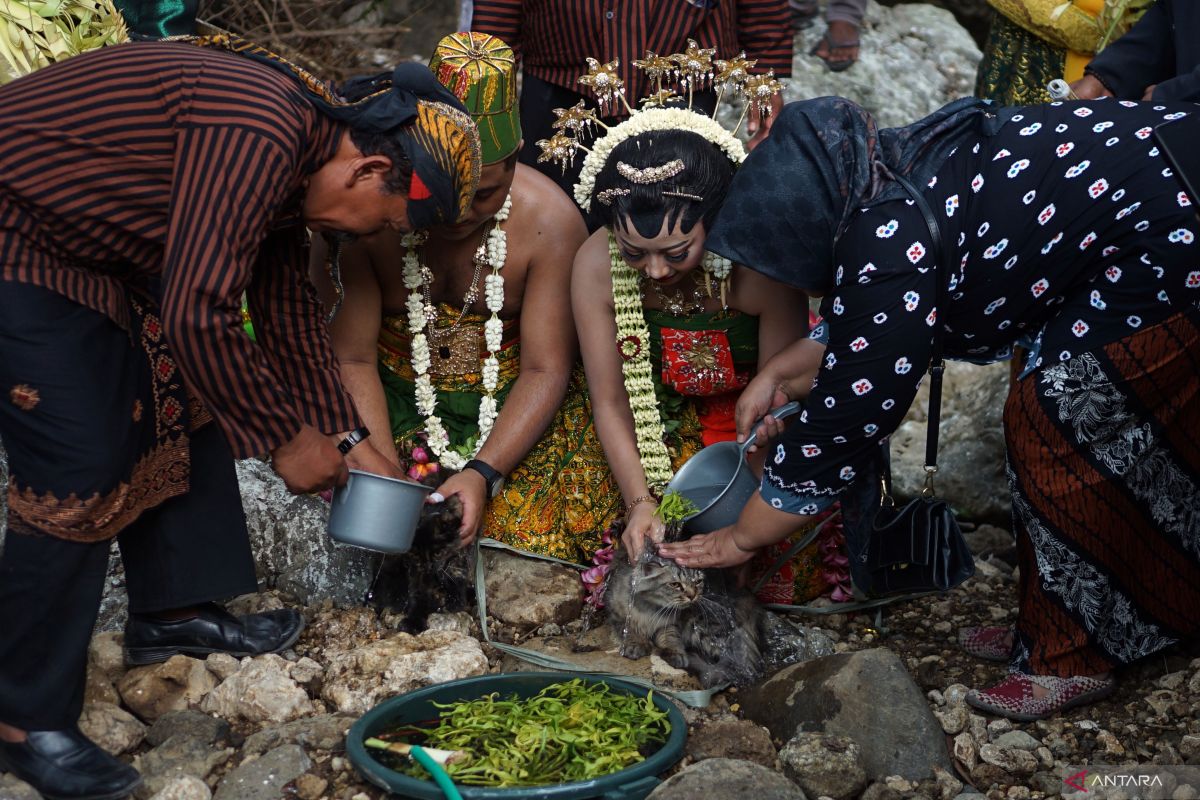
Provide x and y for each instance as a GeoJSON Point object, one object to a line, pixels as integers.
{"type": "Point", "coordinates": [381, 144]}
{"type": "Point", "coordinates": [707, 173]}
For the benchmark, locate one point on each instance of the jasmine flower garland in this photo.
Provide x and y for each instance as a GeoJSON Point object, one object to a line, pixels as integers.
{"type": "Point", "coordinates": [633, 343]}
{"type": "Point", "coordinates": [416, 277]}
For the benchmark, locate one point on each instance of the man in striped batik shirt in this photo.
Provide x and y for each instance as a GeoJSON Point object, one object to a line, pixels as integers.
{"type": "Point", "coordinates": [144, 188]}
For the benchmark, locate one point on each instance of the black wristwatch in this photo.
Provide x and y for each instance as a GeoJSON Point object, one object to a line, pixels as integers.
{"type": "Point", "coordinates": [493, 479]}
{"type": "Point", "coordinates": [352, 438]}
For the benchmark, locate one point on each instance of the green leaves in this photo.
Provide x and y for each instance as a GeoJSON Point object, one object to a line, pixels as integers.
{"type": "Point", "coordinates": [675, 508]}
{"type": "Point", "coordinates": [570, 731]}
{"type": "Point", "coordinates": [35, 34]}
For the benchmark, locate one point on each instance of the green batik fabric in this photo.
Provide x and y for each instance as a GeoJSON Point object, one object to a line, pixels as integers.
{"type": "Point", "coordinates": [158, 19]}
{"type": "Point", "coordinates": [1017, 65]}
{"type": "Point", "coordinates": [561, 497]}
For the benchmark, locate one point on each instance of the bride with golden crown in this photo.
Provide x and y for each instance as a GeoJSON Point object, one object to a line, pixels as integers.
{"type": "Point", "coordinates": [671, 333]}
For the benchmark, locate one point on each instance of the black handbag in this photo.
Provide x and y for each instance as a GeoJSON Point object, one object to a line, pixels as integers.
{"type": "Point", "coordinates": [918, 547]}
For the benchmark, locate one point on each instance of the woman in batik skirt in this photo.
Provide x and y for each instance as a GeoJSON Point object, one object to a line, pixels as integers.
{"type": "Point", "coordinates": [1069, 234]}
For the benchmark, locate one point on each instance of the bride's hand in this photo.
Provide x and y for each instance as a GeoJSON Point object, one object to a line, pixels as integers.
{"type": "Point", "coordinates": [760, 396]}
{"type": "Point", "coordinates": [641, 525]}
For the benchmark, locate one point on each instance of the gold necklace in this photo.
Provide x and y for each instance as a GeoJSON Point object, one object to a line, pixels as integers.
{"type": "Point", "coordinates": [677, 303]}
{"type": "Point", "coordinates": [454, 351]}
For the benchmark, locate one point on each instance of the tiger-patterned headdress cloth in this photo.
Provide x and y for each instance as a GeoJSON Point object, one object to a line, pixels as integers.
{"type": "Point", "coordinates": [431, 123]}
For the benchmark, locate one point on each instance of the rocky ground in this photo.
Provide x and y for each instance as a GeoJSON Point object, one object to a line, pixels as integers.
{"type": "Point", "coordinates": [882, 716]}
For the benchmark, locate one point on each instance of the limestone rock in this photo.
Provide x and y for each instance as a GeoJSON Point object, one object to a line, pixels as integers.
{"type": "Point", "coordinates": [184, 788]}
{"type": "Point", "coordinates": [261, 691]}
{"type": "Point", "coordinates": [358, 680]}
{"type": "Point", "coordinates": [222, 665]}
{"type": "Point", "coordinates": [264, 778]}
{"type": "Point", "coordinates": [306, 672]}
{"type": "Point", "coordinates": [12, 788]}
{"type": "Point", "coordinates": [1017, 740]}
{"type": "Point", "coordinates": [970, 446]}
{"type": "Point", "coordinates": [965, 750]}
{"type": "Point", "coordinates": [460, 621]}
{"type": "Point", "coordinates": [177, 683]}
{"type": "Point", "coordinates": [99, 689]}
{"type": "Point", "coordinates": [187, 724]}
{"type": "Point", "coordinates": [529, 592]}
{"type": "Point", "coordinates": [310, 787]}
{"type": "Point", "coordinates": [880, 791]}
{"type": "Point", "coordinates": [325, 732]}
{"type": "Point", "coordinates": [730, 737]}
{"type": "Point", "coordinates": [1189, 748]}
{"type": "Point", "coordinates": [953, 719]}
{"type": "Point", "coordinates": [868, 697]}
{"type": "Point", "coordinates": [948, 785]}
{"type": "Point", "coordinates": [914, 59]}
{"type": "Point", "coordinates": [824, 766]}
{"type": "Point", "coordinates": [727, 778]}
{"type": "Point", "coordinates": [111, 727]}
{"type": "Point", "coordinates": [106, 653]}
{"type": "Point", "coordinates": [292, 550]}
{"type": "Point", "coordinates": [1019, 763]}
{"type": "Point", "coordinates": [177, 757]}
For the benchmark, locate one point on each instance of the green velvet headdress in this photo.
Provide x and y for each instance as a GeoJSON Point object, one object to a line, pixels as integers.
{"type": "Point", "coordinates": [481, 71]}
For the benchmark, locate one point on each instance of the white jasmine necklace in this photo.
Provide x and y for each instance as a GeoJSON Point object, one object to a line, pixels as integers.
{"type": "Point", "coordinates": [421, 312]}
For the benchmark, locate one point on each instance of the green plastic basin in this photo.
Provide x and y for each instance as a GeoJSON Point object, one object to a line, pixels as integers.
{"type": "Point", "coordinates": [633, 783]}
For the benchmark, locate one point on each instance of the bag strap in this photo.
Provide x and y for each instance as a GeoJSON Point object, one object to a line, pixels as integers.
{"type": "Point", "coordinates": [937, 364]}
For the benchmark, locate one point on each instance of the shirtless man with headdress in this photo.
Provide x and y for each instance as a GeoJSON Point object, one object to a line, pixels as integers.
{"type": "Point", "coordinates": [145, 188]}
{"type": "Point", "coordinates": [461, 339]}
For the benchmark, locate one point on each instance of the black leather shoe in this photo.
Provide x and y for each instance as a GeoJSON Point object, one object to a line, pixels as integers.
{"type": "Point", "coordinates": [66, 765]}
{"type": "Point", "coordinates": [214, 630]}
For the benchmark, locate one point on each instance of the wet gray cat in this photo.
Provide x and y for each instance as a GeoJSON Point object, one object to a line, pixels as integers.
{"type": "Point", "coordinates": [694, 620]}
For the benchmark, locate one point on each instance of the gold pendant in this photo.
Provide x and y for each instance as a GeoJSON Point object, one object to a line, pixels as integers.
{"type": "Point", "coordinates": [456, 351]}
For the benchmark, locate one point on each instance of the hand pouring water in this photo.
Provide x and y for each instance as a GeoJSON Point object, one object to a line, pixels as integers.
{"type": "Point", "coordinates": [718, 480]}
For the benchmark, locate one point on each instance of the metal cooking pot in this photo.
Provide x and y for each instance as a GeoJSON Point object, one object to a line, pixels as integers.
{"type": "Point", "coordinates": [376, 512]}
{"type": "Point", "coordinates": [718, 480]}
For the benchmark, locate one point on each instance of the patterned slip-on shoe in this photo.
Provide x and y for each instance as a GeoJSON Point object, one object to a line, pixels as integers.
{"type": "Point", "coordinates": [991, 643]}
{"type": "Point", "coordinates": [1013, 697]}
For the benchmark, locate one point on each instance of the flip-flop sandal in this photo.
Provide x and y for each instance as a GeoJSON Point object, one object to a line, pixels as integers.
{"type": "Point", "coordinates": [835, 64]}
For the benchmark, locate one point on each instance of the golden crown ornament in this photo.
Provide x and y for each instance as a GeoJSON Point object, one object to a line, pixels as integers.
{"type": "Point", "coordinates": [672, 76]}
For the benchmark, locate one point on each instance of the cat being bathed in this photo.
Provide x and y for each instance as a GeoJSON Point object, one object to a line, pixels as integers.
{"type": "Point", "coordinates": [694, 620]}
{"type": "Point", "coordinates": [435, 575]}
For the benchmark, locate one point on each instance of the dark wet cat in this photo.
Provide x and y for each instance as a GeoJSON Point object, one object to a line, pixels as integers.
{"type": "Point", "coordinates": [694, 620]}
{"type": "Point", "coordinates": [435, 575]}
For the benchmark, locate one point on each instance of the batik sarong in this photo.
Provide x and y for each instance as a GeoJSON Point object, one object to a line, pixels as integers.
{"type": "Point", "coordinates": [561, 497]}
{"type": "Point", "coordinates": [1104, 464]}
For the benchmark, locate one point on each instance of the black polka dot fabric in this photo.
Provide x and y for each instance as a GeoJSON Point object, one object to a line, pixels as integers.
{"type": "Point", "coordinates": [1070, 232]}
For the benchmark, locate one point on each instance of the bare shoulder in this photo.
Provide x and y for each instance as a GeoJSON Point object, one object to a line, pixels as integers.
{"type": "Point", "coordinates": [546, 208]}
{"type": "Point", "coordinates": [592, 269]}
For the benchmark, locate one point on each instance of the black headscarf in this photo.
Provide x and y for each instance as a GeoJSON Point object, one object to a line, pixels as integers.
{"type": "Point", "coordinates": [436, 133]}
{"type": "Point", "coordinates": [823, 160]}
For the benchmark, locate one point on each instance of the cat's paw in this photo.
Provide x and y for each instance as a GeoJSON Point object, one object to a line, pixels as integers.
{"type": "Point", "coordinates": [676, 658]}
{"type": "Point", "coordinates": [635, 650]}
